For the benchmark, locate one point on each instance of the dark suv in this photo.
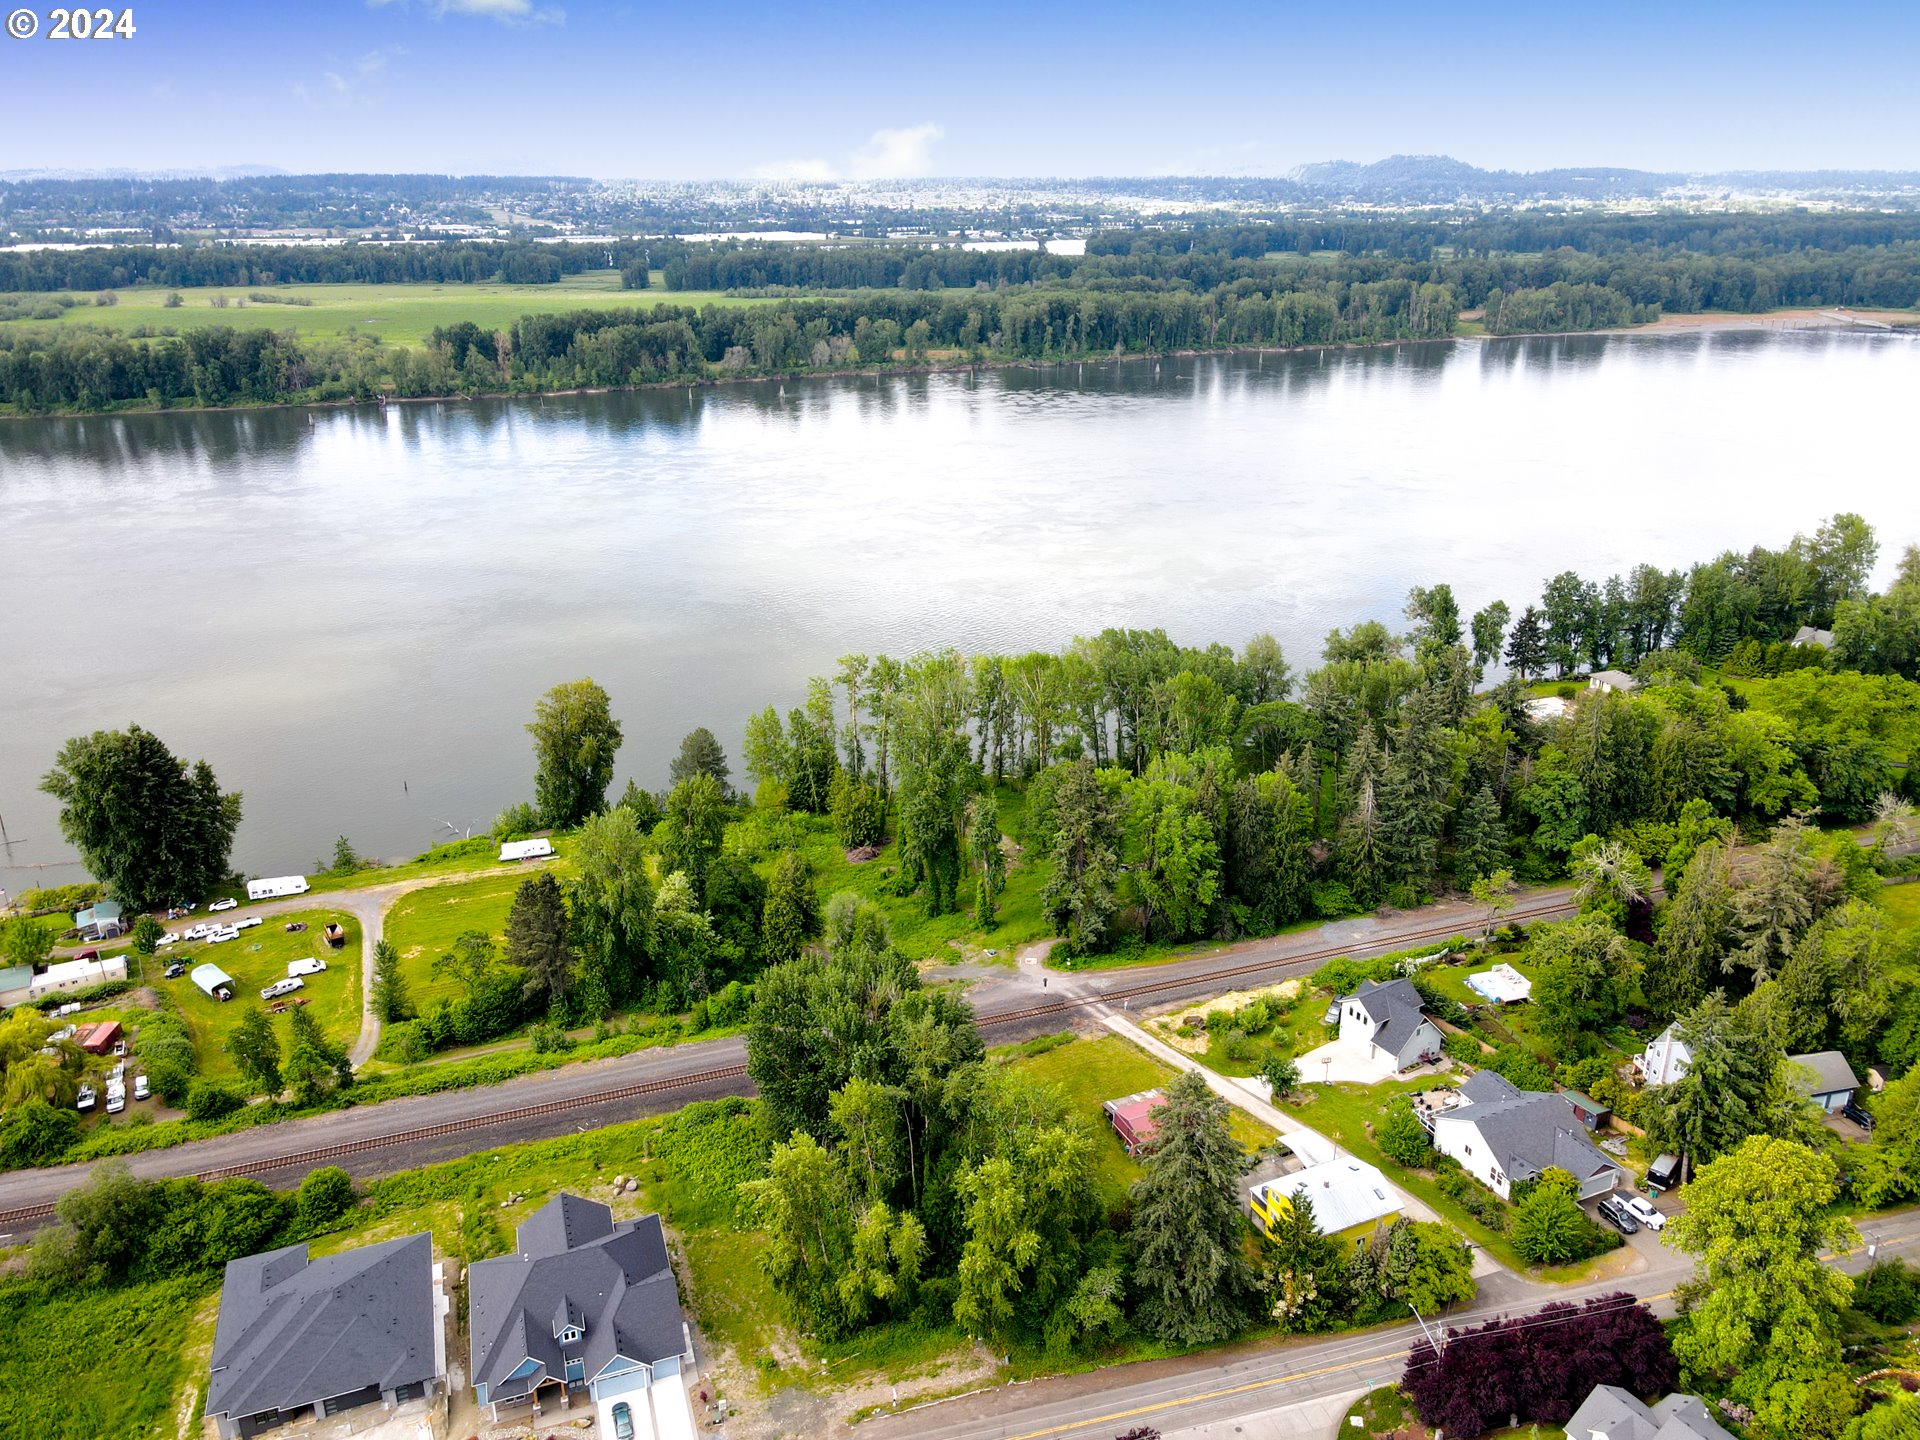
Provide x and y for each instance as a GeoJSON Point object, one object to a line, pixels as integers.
{"type": "Point", "coordinates": [1616, 1214]}
{"type": "Point", "coordinates": [1859, 1114]}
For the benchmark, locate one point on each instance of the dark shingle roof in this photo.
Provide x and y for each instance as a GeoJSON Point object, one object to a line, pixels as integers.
{"type": "Point", "coordinates": [574, 1260]}
{"type": "Point", "coordinates": [1530, 1130]}
{"type": "Point", "coordinates": [293, 1332]}
{"type": "Point", "coordinates": [1610, 1411]}
{"type": "Point", "coordinates": [1830, 1073]}
{"type": "Point", "coordinates": [1395, 1008]}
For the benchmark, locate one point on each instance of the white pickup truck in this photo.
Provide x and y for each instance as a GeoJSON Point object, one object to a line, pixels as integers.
{"type": "Point", "coordinates": [282, 987]}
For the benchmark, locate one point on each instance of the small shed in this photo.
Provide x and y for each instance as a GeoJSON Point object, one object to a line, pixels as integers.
{"type": "Point", "coordinates": [1591, 1112]}
{"type": "Point", "coordinates": [214, 981]}
{"type": "Point", "coordinates": [102, 920]}
{"type": "Point", "coordinates": [276, 886]}
{"type": "Point", "coordinates": [515, 850]}
{"type": "Point", "coordinates": [98, 1039]}
{"type": "Point", "coordinates": [1503, 985]}
{"type": "Point", "coordinates": [1132, 1118]}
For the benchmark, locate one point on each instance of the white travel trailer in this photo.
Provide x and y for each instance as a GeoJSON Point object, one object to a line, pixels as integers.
{"type": "Point", "coordinates": [276, 886]}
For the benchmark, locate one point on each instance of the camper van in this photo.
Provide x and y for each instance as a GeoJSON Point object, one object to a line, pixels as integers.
{"type": "Point", "coordinates": [1664, 1173]}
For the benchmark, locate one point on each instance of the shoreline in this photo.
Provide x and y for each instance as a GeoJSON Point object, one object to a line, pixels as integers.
{"type": "Point", "coordinates": [1798, 319]}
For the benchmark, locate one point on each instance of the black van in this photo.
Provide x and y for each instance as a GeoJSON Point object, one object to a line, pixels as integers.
{"type": "Point", "coordinates": [1664, 1173]}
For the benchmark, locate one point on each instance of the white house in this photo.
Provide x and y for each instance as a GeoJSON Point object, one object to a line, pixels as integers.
{"type": "Point", "coordinates": [1501, 1134]}
{"type": "Point", "coordinates": [1807, 635]}
{"type": "Point", "coordinates": [77, 975]}
{"type": "Point", "coordinates": [1386, 1019]}
{"type": "Point", "coordinates": [1346, 1193]}
{"type": "Point", "coordinates": [1666, 1057]}
{"type": "Point", "coordinates": [526, 850]}
{"type": "Point", "coordinates": [1612, 680]}
{"type": "Point", "coordinates": [274, 887]}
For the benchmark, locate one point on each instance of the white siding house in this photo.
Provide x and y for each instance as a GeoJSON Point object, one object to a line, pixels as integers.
{"type": "Point", "coordinates": [1501, 1134]}
{"type": "Point", "coordinates": [1386, 1019]}
{"type": "Point", "coordinates": [1666, 1058]}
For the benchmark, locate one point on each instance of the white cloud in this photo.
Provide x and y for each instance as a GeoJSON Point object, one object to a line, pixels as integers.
{"type": "Point", "coordinates": [347, 85]}
{"type": "Point", "coordinates": [902, 154]}
{"type": "Point", "coordinates": [897, 154]}
{"type": "Point", "coordinates": [508, 12]}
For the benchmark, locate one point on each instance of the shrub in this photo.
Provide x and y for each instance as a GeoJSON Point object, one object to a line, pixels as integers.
{"type": "Point", "coordinates": [1237, 1046]}
{"type": "Point", "coordinates": [61, 897]}
{"type": "Point", "coordinates": [211, 1099]}
{"type": "Point", "coordinates": [729, 1006]}
{"type": "Point", "coordinates": [147, 934]}
{"type": "Point", "coordinates": [1888, 1291]}
{"type": "Point", "coordinates": [405, 1043]}
{"type": "Point", "coordinates": [85, 995]}
{"type": "Point", "coordinates": [1520, 1066]}
{"type": "Point", "coordinates": [550, 1039]}
{"type": "Point", "coordinates": [324, 1196]}
{"type": "Point", "coordinates": [1331, 900]}
{"type": "Point", "coordinates": [1402, 1139]}
{"type": "Point", "coordinates": [516, 821]}
{"type": "Point", "coordinates": [1437, 1001]}
{"type": "Point", "coordinates": [699, 1017]}
{"type": "Point", "coordinates": [1463, 1047]}
{"type": "Point", "coordinates": [36, 1133]}
{"type": "Point", "coordinates": [1549, 1228]}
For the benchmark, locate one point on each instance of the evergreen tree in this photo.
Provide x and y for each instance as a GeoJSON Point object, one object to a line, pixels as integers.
{"type": "Point", "coordinates": [1527, 646]}
{"type": "Point", "coordinates": [537, 934]}
{"type": "Point", "coordinates": [1696, 935]}
{"type": "Point", "coordinates": [1269, 840]}
{"type": "Point", "coordinates": [1479, 839]}
{"type": "Point", "coordinates": [390, 999]}
{"type": "Point", "coordinates": [1489, 630]}
{"type": "Point", "coordinates": [792, 913]}
{"type": "Point", "coordinates": [1195, 1285]}
{"type": "Point", "coordinates": [983, 851]}
{"type": "Point", "coordinates": [1079, 894]}
{"type": "Point", "coordinates": [700, 754]}
{"type": "Point", "coordinates": [1305, 1274]}
{"type": "Point", "coordinates": [1357, 842]}
{"type": "Point", "coordinates": [256, 1052]}
{"type": "Point", "coordinates": [315, 1066]}
{"type": "Point", "coordinates": [691, 832]}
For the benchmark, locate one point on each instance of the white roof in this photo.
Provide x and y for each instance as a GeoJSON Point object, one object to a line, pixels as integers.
{"type": "Point", "coordinates": [67, 972]}
{"type": "Point", "coordinates": [1546, 707]}
{"type": "Point", "coordinates": [526, 849]}
{"type": "Point", "coordinates": [1502, 984]}
{"type": "Point", "coordinates": [210, 977]}
{"type": "Point", "coordinates": [1345, 1192]}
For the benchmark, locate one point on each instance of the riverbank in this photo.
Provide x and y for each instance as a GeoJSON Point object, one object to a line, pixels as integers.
{"type": "Point", "coordinates": [1796, 319]}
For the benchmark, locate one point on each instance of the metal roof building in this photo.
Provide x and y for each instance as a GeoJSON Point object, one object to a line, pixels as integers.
{"type": "Point", "coordinates": [1344, 1193]}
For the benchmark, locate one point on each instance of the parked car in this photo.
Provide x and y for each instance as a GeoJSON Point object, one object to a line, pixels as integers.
{"type": "Point", "coordinates": [228, 904]}
{"type": "Point", "coordinates": [175, 970]}
{"type": "Point", "coordinates": [172, 937]}
{"type": "Point", "coordinates": [1617, 1215]}
{"type": "Point", "coordinates": [1859, 1114]}
{"type": "Point", "coordinates": [308, 966]}
{"type": "Point", "coordinates": [281, 987]}
{"type": "Point", "coordinates": [195, 932]}
{"type": "Point", "coordinates": [1642, 1210]}
{"type": "Point", "coordinates": [222, 933]}
{"type": "Point", "coordinates": [116, 1097]}
{"type": "Point", "coordinates": [622, 1421]}
{"type": "Point", "coordinates": [140, 1087]}
{"type": "Point", "coordinates": [84, 1099]}
{"type": "Point", "coordinates": [88, 955]}
{"type": "Point", "coordinates": [294, 927]}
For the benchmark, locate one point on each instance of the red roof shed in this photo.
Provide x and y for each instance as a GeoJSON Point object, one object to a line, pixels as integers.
{"type": "Point", "coordinates": [1132, 1118]}
{"type": "Point", "coordinates": [97, 1039]}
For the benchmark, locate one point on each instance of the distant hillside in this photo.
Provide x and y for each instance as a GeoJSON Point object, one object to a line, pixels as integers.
{"type": "Point", "coordinates": [1442, 180]}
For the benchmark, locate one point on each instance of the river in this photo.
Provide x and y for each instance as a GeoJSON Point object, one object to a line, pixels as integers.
{"type": "Point", "coordinates": [351, 612]}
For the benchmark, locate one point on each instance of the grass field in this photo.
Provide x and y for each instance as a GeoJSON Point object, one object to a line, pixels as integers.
{"type": "Point", "coordinates": [422, 927]}
{"type": "Point", "coordinates": [1089, 1072]}
{"type": "Point", "coordinates": [1903, 904]}
{"type": "Point", "coordinates": [398, 314]}
{"type": "Point", "coordinates": [256, 959]}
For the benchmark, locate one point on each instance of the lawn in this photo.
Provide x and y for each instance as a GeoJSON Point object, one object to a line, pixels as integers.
{"type": "Point", "coordinates": [1902, 902]}
{"type": "Point", "coordinates": [105, 1364]}
{"type": "Point", "coordinates": [422, 926]}
{"type": "Point", "coordinates": [398, 314]}
{"type": "Point", "coordinates": [1089, 1072]}
{"type": "Point", "coordinates": [255, 960]}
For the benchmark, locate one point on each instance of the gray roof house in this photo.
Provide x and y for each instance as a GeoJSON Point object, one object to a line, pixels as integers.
{"type": "Point", "coordinates": [1501, 1134]}
{"type": "Point", "coordinates": [1610, 1413]}
{"type": "Point", "coordinates": [1385, 1018]}
{"type": "Point", "coordinates": [584, 1304]}
{"type": "Point", "coordinates": [1612, 680]}
{"type": "Point", "coordinates": [297, 1336]}
{"type": "Point", "coordinates": [1825, 1077]}
{"type": "Point", "coordinates": [1807, 635]}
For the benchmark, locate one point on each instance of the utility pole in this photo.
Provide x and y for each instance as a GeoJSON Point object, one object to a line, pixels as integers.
{"type": "Point", "coordinates": [1423, 1328]}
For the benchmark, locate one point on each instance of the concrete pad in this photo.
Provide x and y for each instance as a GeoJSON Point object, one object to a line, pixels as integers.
{"type": "Point", "coordinates": [1337, 1064]}
{"type": "Point", "coordinates": [1315, 1419]}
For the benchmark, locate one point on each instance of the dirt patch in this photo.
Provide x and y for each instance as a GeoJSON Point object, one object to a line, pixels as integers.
{"type": "Point", "coordinates": [1173, 1028]}
{"type": "Point", "coordinates": [861, 854]}
{"type": "Point", "coordinates": [799, 1410]}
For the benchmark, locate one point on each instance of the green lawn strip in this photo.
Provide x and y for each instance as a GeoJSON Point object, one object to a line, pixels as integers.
{"type": "Point", "coordinates": [255, 960]}
{"type": "Point", "coordinates": [400, 314]}
{"type": "Point", "coordinates": [1902, 902]}
{"type": "Point", "coordinates": [423, 925]}
{"type": "Point", "coordinates": [78, 1367]}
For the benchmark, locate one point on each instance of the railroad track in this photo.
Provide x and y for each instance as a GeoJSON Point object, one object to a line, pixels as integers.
{"type": "Point", "coordinates": [307, 1159]}
{"type": "Point", "coordinates": [1279, 962]}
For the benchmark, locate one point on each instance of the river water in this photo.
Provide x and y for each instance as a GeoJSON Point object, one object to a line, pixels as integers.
{"type": "Point", "coordinates": [350, 613]}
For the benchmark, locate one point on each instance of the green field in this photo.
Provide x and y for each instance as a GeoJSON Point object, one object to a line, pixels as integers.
{"type": "Point", "coordinates": [398, 314]}
{"type": "Point", "coordinates": [256, 959]}
{"type": "Point", "coordinates": [422, 927]}
{"type": "Point", "coordinates": [1903, 904]}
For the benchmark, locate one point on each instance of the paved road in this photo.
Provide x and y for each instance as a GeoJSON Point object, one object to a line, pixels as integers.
{"type": "Point", "coordinates": [1012, 1002]}
{"type": "Point", "coordinates": [1222, 1388]}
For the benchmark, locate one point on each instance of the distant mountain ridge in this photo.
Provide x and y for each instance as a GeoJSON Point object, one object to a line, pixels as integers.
{"type": "Point", "coordinates": [1440, 179]}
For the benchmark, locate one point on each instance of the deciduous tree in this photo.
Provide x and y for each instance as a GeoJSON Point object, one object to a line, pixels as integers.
{"type": "Point", "coordinates": [575, 740]}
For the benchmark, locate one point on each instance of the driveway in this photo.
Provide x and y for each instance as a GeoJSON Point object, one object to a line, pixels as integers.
{"type": "Point", "coordinates": [1337, 1064]}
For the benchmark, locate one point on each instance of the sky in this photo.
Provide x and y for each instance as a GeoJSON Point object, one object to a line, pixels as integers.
{"type": "Point", "coordinates": [857, 90]}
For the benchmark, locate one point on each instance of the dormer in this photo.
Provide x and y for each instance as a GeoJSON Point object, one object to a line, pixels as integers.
{"type": "Point", "coordinates": [569, 1322]}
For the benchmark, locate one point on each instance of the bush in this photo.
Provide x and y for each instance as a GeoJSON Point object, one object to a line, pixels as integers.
{"type": "Point", "coordinates": [699, 1017]}
{"type": "Point", "coordinates": [406, 1042]}
{"type": "Point", "coordinates": [516, 822]}
{"type": "Point", "coordinates": [36, 1133]}
{"type": "Point", "coordinates": [1549, 1228]}
{"type": "Point", "coordinates": [1463, 1047]}
{"type": "Point", "coordinates": [1520, 1066]}
{"type": "Point", "coordinates": [324, 1196]}
{"type": "Point", "coordinates": [147, 934]}
{"type": "Point", "coordinates": [211, 1099]}
{"type": "Point", "coordinates": [730, 1005]}
{"type": "Point", "coordinates": [1470, 1195]}
{"type": "Point", "coordinates": [1888, 1291]}
{"type": "Point", "coordinates": [60, 897]}
{"type": "Point", "coordinates": [550, 1039]}
{"type": "Point", "coordinates": [1402, 1139]}
{"type": "Point", "coordinates": [85, 995]}
{"type": "Point", "coordinates": [1331, 900]}
{"type": "Point", "coordinates": [1437, 1001]}
{"type": "Point", "coordinates": [1238, 1046]}
{"type": "Point", "coordinates": [1343, 976]}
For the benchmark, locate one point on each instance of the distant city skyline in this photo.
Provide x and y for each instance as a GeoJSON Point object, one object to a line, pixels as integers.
{"type": "Point", "coordinates": [856, 91]}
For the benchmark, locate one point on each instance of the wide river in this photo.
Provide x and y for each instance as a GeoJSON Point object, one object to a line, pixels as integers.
{"type": "Point", "coordinates": [351, 613]}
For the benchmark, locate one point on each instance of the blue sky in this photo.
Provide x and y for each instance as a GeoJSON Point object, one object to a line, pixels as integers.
{"type": "Point", "coordinates": [683, 91]}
